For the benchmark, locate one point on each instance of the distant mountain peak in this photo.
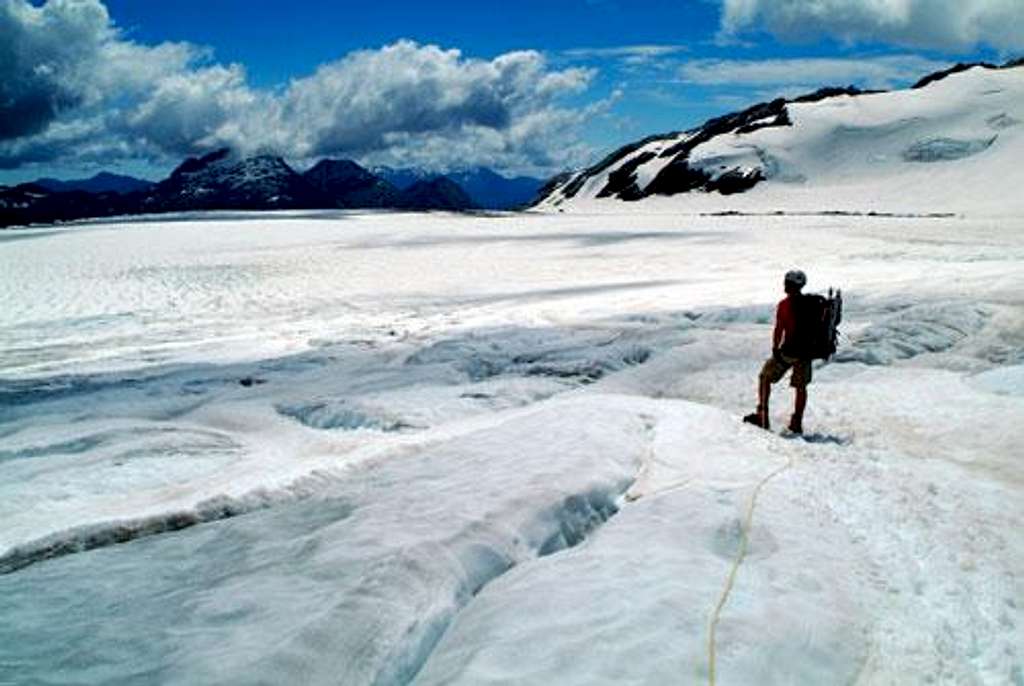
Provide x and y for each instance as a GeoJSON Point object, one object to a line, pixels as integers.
{"type": "Point", "coordinates": [350, 185]}
{"type": "Point", "coordinates": [338, 169]}
{"type": "Point", "coordinates": [485, 187]}
{"type": "Point", "coordinates": [101, 182]}
{"type": "Point", "coordinates": [192, 165]}
{"type": "Point", "coordinates": [437, 193]}
{"type": "Point", "coordinates": [224, 180]}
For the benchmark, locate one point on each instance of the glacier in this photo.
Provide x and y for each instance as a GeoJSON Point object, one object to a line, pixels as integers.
{"type": "Point", "coordinates": [385, 448]}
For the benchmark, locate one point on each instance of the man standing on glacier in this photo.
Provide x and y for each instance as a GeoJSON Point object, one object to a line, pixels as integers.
{"type": "Point", "coordinates": [788, 352]}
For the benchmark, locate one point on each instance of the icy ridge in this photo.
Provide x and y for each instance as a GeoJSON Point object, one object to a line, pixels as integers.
{"type": "Point", "coordinates": [390, 547]}
{"type": "Point", "coordinates": [575, 518]}
{"type": "Point", "coordinates": [102, 534]}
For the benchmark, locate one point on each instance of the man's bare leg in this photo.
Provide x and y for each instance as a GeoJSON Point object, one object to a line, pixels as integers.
{"type": "Point", "coordinates": [764, 392]}
{"type": "Point", "coordinates": [797, 422]}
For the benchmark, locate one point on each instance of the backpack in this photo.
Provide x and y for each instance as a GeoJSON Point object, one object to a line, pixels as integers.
{"type": "Point", "coordinates": [816, 333]}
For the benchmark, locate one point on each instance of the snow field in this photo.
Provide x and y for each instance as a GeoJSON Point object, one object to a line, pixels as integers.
{"type": "Point", "coordinates": [951, 147]}
{"type": "Point", "coordinates": [526, 466]}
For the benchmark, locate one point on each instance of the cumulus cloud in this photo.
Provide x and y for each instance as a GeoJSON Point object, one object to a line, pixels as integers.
{"type": "Point", "coordinates": [73, 88]}
{"type": "Point", "coordinates": [940, 24]}
{"type": "Point", "coordinates": [192, 111]}
{"type": "Point", "coordinates": [538, 141]}
{"type": "Point", "coordinates": [871, 72]}
{"type": "Point", "coordinates": [43, 58]}
{"type": "Point", "coordinates": [66, 55]}
{"type": "Point", "coordinates": [371, 100]}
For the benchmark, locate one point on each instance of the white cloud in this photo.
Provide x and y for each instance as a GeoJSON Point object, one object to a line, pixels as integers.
{"type": "Point", "coordinates": [193, 110]}
{"type": "Point", "coordinates": [45, 56]}
{"type": "Point", "coordinates": [625, 52]}
{"type": "Point", "coordinates": [72, 88]}
{"type": "Point", "coordinates": [65, 55]}
{"type": "Point", "coordinates": [869, 72]}
{"type": "Point", "coordinates": [404, 93]}
{"type": "Point", "coordinates": [536, 141]}
{"type": "Point", "coordinates": [939, 24]}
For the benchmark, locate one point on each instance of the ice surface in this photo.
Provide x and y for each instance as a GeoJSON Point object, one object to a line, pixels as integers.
{"type": "Point", "coordinates": [649, 612]}
{"type": "Point", "coordinates": [914, 331]}
{"type": "Point", "coordinates": [354, 585]}
{"type": "Point", "coordinates": [1005, 381]}
{"type": "Point", "coordinates": [376, 448]}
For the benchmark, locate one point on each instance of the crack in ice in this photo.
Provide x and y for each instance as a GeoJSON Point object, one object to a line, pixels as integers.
{"type": "Point", "coordinates": [578, 516]}
{"type": "Point", "coordinates": [731, 578]}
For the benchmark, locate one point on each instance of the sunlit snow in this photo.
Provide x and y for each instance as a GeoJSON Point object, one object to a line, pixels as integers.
{"type": "Point", "coordinates": [378, 448]}
{"type": "Point", "coordinates": [953, 146]}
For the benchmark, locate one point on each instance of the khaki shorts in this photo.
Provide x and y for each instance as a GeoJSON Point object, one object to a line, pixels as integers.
{"type": "Point", "coordinates": [774, 370]}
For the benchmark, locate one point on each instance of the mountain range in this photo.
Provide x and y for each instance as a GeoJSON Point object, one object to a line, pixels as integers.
{"type": "Point", "coordinates": [103, 182]}
{"type": "Point", "coordinates": [950, 143]}
{"type": "Point", "coordinates": [486, 188]}
{"type": "Point", "coordinates": [222, 180]}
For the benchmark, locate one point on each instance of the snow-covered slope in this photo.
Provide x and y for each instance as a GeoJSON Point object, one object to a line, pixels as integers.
{"type": "Point", "coordinates": [952, 144]}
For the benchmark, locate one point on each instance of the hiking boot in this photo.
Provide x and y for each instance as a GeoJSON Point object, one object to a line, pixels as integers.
{"type": "Point", "coordinates": [758, 418]}
{"type": "Point", "coordinates": [795, 425]}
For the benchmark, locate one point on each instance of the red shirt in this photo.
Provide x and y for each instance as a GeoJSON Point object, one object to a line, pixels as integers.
{"type": "Point", "coordinates": [785, 322]}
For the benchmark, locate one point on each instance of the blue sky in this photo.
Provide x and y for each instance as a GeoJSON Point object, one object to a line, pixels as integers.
{"type": "Point", "coordinates": [524, 86]}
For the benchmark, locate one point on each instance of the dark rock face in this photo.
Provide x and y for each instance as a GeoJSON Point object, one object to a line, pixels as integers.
{"type": "Point", "coordinates": [622, 181]}
{"type": "Point", "coordinates": [438, 193]}
{"type": "Point", "coordinates": [351, 186]}
{"type": "Point", "coordinates": [576, 184]}
{"type": "Point", "coordinates": [736, 181]}
{"type": "Point", "coordinates": [832, 92]}
{"type": "Point", "coordinates": [33, 204]}
{"type": "Point", "coordinates": [678, 177]}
